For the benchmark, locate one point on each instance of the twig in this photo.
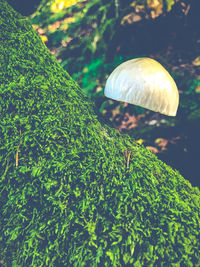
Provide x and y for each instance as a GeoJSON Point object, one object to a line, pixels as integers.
{"type": "Point", "coordinates": [17, 153]}
{"type": "Point", "coordinates": [17, 156]}
{"type": "Point", "coordinates": [127, 156]}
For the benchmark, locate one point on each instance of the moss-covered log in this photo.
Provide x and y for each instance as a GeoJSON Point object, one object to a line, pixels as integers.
{"type": "Point", "coordinates": [73, 191]}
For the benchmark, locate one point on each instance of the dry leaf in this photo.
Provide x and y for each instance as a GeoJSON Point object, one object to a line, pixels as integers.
{"type": "Point", "coordinates": [197, 90]}
{"type": "Point", "coordinates": [196, 62]}
{"type": "Point", "coordinates": [153, 149]}
{"type": "Point", "coordinates": [140, 141]}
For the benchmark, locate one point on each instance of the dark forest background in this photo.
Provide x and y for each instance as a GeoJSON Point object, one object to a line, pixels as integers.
{"type": "Point", "coordinates": [91, 38]}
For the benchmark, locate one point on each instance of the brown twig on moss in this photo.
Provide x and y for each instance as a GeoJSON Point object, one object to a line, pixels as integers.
{"type": "Point", "coordinates": [127, 156]}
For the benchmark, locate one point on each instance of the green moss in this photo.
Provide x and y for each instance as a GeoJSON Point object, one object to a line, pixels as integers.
{"type": "Point", "coordinates": [73, 200]}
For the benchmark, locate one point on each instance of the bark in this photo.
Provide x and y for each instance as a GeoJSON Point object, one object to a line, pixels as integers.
{"type": "Point", "coordinates": [74, 192]}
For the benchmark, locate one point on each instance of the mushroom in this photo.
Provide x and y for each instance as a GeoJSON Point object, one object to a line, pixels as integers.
{"type": "Point", "coordinates": [144, 82]}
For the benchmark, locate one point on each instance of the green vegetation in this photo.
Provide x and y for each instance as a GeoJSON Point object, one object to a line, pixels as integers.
{"type": "Point", "coordinates": [73, 191]}
{"type": "Point", "coordinates": [119, 31]}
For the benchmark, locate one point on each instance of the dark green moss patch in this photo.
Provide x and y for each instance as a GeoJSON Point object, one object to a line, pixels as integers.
{"type": "Point", "coordinates": [68, 196]}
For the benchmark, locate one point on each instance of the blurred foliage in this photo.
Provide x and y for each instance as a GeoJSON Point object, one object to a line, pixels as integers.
{"type": "Point", "coordinates": [58, 5]}
{"type": "Point", "coordinates": [90, 38]}
{"type": "Point", "coordinates": [91, 25]}
{"type": "Point", "coordinates": [190, 96]}
{"type": "Point", "coordinates": [92, 76]}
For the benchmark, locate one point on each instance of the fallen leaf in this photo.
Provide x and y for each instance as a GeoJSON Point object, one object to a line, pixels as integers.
{"type": "Point", "coordinates": [162, 143]}
{"type": "Point", "coordinates": [153, 149]}
{"type": "Point", "coordinates": [197, 90]}
{"type": "Point", "coordinates": [140, 141]}
{"type": "Point", "coordinates": [196, 62]}
{"type": "Point", "coordinates": [131, 18]}
{"type": "Point", "coordinates": [44, 38]}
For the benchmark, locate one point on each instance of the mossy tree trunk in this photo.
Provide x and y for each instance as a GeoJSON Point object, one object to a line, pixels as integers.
{"type": "Point", "coordinates": [74, 192]}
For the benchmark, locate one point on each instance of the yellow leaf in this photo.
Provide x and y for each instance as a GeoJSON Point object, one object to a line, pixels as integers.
{"type": "Point", "coordinates": [196, 62]}
{"type": "Point", "coordinates": [140, 141]}
{"type": "Point", "coordinates": [158, 140]}
{"type": "Point", "coordinates": [85, 70]}
{"type": "Point", "coordinates": [44, 38]}
{"type": "Point", "coordinates": [197, 90]}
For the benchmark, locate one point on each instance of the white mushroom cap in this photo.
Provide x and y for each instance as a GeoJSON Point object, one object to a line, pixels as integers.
{"type": "Point", "coordinates": [144, 82]}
